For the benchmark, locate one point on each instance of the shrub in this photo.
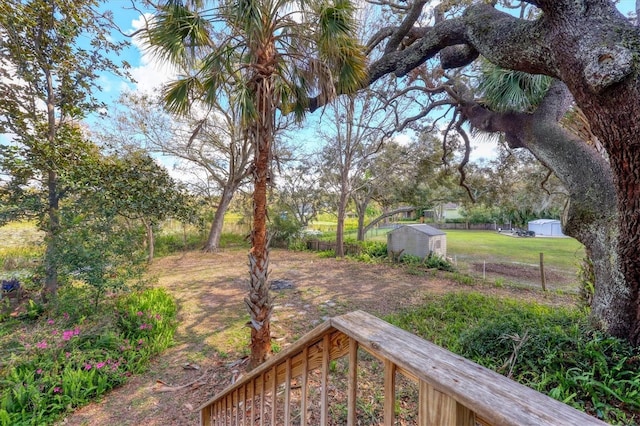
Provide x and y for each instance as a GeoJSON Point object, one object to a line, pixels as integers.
{"type": "Point", "coordinates": [284, 229]}
{"type": "Point", "coordinates": [166, 244]}
{"type": "Point", "coordinates": [370, 251]}
{"type": "Point", "coordinates": [71, 362]}
{"type": "Point", "coordinates": [432, 262]}
{"type": "Point", "coordinates": [438, 262]}
{"type": "Point", "coordinates": [550, 349]}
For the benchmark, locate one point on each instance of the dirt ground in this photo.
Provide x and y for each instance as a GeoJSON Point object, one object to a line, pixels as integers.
{"type": "Point", "coordinates": [210, 289]}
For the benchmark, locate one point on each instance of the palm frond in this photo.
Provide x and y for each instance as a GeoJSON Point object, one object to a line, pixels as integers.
{"type": "Point", "coordinates": [178, 95]}
{"type": "Point", "coordinates": [176, 33]}
{"type": "Point", "coordinates": [244, 97]}
{"type": "Point", "coordinates": [251, 18]}
{"type": "Point", "coordinates": [215, 70]}
{"type": "Point", "coordinates": [293, 98]}
{"type": "Point", "coordinates": [508, 90]}
{"type": "Point", "coordinates": [338, 46]}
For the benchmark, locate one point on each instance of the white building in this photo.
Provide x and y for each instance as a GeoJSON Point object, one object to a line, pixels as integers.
{"type": "Point", "coordinates": [546, 227]}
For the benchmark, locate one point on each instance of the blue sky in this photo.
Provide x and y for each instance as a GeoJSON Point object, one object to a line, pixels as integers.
{"type": "Point", "coordinates": [149, 75]}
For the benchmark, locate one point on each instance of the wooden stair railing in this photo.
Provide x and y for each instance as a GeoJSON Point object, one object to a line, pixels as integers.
{"type": "Point", "coordinates": [452, 390]}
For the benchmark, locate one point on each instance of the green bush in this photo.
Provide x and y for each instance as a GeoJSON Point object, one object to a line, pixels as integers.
{"type": "Point", "coordinates": [550, 349]}
{"type": "Point", "coordinates": [166, 244]}
{"type": "Point", "coordinates": [284, 229]}
{"type": "Point", "coordinates": [438, 262]}
{"type": "Point", "coordinates": [370, 251]}
{"type": "Point", "coordinates": [70, 362]}
{"type": "Point", "coordinates": [430, 262]}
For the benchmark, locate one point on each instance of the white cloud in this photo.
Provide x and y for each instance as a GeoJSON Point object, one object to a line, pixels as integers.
{"type": "Point", "coordinates": [151, 74]}
{"type": "Point", "coordinates": [483, 150]}
{"type": "Point", "coordinates": [402, 139]}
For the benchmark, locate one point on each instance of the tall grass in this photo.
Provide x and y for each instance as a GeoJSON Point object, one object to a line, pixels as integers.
{"type": "Point", "coordinates": [21, 251]}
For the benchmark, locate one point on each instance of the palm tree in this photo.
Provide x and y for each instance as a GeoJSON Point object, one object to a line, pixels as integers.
{"type": "Point", "coordinates": [276, 54]}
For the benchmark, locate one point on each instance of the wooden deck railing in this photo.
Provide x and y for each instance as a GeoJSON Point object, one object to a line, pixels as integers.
{"type": "Point", "coordinates": [451, 390]}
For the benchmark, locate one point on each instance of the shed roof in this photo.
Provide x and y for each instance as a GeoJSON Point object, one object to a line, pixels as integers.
{"type": "Point", "coordinates": [544, 221]}
{"type": "Point", "coordinates": [425, 229]}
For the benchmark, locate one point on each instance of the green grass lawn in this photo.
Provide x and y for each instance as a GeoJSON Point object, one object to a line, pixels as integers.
{"type": "Point", "coordinates": [471, 248]}
{"type": "Point", "coordinates": [560, 253]}
{"type": "Point", "coordinates": [491, 246]}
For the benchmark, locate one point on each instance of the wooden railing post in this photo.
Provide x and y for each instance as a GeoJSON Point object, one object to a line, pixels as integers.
{"type": "Point", "coordinates": [274, 393]}
{"type": "Point", "coordinates": [304, 384]}
{"type": "Point", "coordinates": [352, 387]}
{"type": "Point", "coordinates": [389, 392]}
{"type": "Point", "coordinates": [324, 391]}
{"type": "Point", "coordinates": [439, 409]}
{"type": "Point", "coordinates": [263, 390]}
{"type": "Point", "coordinates": [287, 392]}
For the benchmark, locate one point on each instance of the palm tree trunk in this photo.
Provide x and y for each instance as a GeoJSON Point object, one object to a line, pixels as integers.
{"type": "Point", "coordinates": [259, 301]}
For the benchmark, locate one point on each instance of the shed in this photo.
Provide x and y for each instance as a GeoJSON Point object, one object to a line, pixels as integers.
{"type": "Point", "coordinates": [417, 240]}
{"type": "Point", "coordinates": [546, 227]}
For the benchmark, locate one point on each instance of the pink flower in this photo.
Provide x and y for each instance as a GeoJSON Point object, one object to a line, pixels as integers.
{"type": "Point", "coordinates": [39, 371]}
{"type": "Point", "coordinates": [100, 365]}
{"type": "Point", "coordinates": [139, 313]}
{"type": "Point", "coordinates": [67, 354]}
{"type": "Point", "coordinates": [76, 331]}
{"type": "Point", "coordinates": [42, 345]}
{"type": "Point", "coordinates": [65, 316]}
{"type": "Point", "coordinates": [50, 321]}
{"type": "Point", "coordinates": [87, 367]}
{"type": "Point", "coordinates": [158, 317]}
{"type": "Point", "coordinates": [56, 389]}
{"type": "Point", "coordinates": [54, 332]}
{"type": "Point", "coordinates": [67, 335]}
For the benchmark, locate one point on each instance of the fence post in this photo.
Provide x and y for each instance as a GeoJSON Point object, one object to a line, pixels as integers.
{"type": "Point", "coordinates": [542, 276]}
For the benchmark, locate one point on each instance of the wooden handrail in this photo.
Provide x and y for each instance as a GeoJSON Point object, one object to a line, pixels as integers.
{"type": "Point", "coordinates": [451, 389]}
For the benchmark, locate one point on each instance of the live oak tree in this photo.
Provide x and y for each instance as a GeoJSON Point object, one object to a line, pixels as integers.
{"type": "Point", "coordinates": [592, 50]}
{"type": "Point", "coordinates": [276, 53]}
{"type": "Point", "coordinates": [51, 52]}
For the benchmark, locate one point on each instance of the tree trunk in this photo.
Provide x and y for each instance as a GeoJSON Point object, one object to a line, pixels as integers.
{"type": "Point", "coordinates": [259, 301]}
{"type": "Point", "coordinates": [362, 200]}
{"type": "Point", "coordinates": [51, 264]}
{"type": "Point", "coordinates": [619, 311]}
{"type": "Point", "coordinates": [387, 214]}
{"type": "Point", "coordinates": [591, 216]}
{"type": "Point", "coordinates": [342, 211]}
{"type": "Point", "coordinates": [213, 241]}
{"type": "Point", "coordinates": [151, 241]}
{"type": "Point", "coordinates": [361, 208]}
